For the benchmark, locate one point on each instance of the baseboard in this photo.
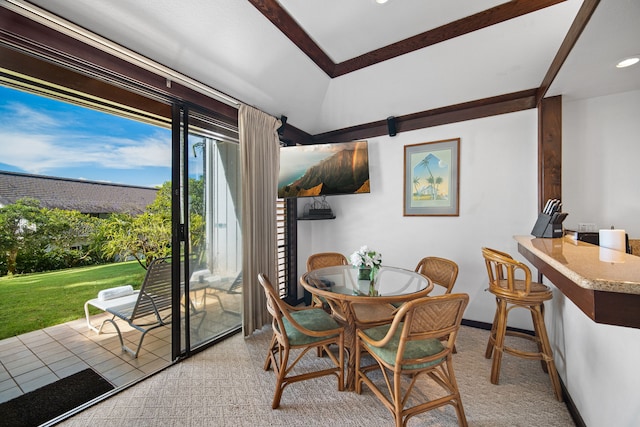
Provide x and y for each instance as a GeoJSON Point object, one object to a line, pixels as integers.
{"type": "Point", "coordinates": [487, 326]}
{"type": "Point", "coordinates": [571, 407]}
{"type": "Point", "coordinates": [566, 397]}
{"type": "Point", "coordinates": [475, 324]}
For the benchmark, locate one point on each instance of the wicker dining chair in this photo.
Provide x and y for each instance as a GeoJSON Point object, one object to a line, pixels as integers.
{"type": "Point", "coordinates": [300, 329]}
{"type": "Point", "coordinates": [510, 282]}
{"type": "Point", "coordinates": [321, 260]}
{"type": "Point", "coordinates": [441, 271]}
{"type": "Point", "coordinates": [417, 344]}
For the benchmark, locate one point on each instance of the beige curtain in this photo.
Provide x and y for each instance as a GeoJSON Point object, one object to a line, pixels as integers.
{"type": "Point", "coordinates": [260, 159]}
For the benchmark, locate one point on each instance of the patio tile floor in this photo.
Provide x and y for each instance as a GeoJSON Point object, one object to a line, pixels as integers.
{"type": "Point", "coordinates": [32, 360]}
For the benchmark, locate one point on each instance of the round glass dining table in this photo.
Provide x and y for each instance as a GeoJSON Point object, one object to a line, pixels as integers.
{"type": "Point", "coordinates": [358, 303]}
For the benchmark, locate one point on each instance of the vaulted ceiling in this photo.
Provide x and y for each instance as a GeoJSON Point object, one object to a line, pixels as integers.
{"type": "Point", "coordinates": [335, 64]}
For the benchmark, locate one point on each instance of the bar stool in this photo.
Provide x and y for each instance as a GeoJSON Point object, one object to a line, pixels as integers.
{"type": "Point", "coordinates": [510, 293]}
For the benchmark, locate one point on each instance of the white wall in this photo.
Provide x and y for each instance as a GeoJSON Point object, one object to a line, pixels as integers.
{"type": "Point", "coordinates": [498, 199]}
{"type": "Point", "coordinates": [498, 193]}
{"type": "Point", "coordinates": [600, 160]}
{"type": "Point", "coordinates": [599, 363]}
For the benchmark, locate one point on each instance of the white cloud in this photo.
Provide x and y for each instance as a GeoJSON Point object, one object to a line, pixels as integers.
{"type": "Point", "coordinates": [17, 112]}
{"type": "Point", "coordinates": [39, 141]}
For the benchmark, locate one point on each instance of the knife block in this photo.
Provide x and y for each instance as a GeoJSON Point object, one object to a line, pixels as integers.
{"type": "Point", "coordinates": [549, 225]}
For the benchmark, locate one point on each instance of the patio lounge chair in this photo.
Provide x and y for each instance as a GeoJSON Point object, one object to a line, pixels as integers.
{"type": "Point", "coordinates": [144, 310]}
{"type": "Point", "coordinates": [213, 285]}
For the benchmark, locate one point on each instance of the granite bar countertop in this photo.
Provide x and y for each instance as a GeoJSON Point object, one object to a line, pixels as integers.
{"type": "Point", "coordinates": [589, 266]}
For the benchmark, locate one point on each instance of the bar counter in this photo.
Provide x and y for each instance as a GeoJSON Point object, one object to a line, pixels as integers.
{"type": "Point", "coordinates": [603, 283]}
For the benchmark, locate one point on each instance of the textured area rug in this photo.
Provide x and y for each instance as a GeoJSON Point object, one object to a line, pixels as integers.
{"type": "Point", "coordinates": [226, 386]}
{"type": "Point", "coordinates": [52, 400]}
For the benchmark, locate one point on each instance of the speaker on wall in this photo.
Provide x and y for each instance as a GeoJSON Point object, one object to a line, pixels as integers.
{"type": "Point", "coordinates": [283, 120]}
{"type": "Point", "coordinates": [391, 125]}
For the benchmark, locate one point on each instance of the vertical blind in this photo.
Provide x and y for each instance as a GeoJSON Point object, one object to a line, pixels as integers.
{"type": "Point", "coordinates": [281, 225]}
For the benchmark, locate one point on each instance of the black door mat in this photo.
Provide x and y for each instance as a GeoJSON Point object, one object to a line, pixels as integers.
{"type": "Point", "coordinates": [53, 400]}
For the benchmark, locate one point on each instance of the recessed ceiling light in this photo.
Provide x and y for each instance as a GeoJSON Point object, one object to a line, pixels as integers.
{"type": "Point", "coordinates": [381, 1]}
{"type": "Point", "coordinates": [627, 62]}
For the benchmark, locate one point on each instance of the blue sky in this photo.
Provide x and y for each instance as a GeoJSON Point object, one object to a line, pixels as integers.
{"type": "Point", "coordinates": [43, 136]}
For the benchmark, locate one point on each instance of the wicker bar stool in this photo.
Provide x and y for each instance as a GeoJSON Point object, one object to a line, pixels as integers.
{"type": "Point", "coordinates": [510, 293]}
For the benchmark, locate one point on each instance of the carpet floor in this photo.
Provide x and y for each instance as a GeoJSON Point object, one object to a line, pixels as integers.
{"type": "Point", "coordinates": [226, 386]}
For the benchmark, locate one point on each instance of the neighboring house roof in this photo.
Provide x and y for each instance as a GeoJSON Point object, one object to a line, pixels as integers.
{"type": "Point", "coordinates": [89, 197]}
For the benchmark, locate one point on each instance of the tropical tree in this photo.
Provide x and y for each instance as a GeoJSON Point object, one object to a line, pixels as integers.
{"type": "Point", "coordinates": [432, 181]}
{"type": "Point", "coordinates": [147, 236]}
{"type": "Point", "coordinates": [438, 182]}
{"type": "Point", "coordinates": [416, 182]}
{"type": "Point", "coordinates": [68, 229]}
{"type": "Point", "coordinates": [144, 237]}
{"type": "Point", "coordinates": [161, 205]}
{"type": "Point", "coordinates": [33, 238]}
{"type": "Point", "coordinates": [19, 225]}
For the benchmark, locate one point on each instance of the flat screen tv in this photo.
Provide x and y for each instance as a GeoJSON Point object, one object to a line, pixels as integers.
{"type": "Point", "coordinates": [324, 169]}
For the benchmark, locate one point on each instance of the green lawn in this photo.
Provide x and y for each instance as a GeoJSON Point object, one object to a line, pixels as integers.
{"type": "Point", "coordinates": [35, 301]}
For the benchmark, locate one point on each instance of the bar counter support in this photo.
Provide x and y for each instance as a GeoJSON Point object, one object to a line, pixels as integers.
{"type": "Point", "coordinates": [602, 306]}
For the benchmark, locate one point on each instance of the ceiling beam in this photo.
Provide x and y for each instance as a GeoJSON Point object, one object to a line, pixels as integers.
{"type": "Point", "coordinates": [290, 28]}
{"type": "Point", "coordinates": [579, 23]}
{"type": "Point", "coordinates": [279, 17]}
{"type": "Point", "coordinates": [486, 107]}
{"type": "Point", "coordinates": [478, 21]}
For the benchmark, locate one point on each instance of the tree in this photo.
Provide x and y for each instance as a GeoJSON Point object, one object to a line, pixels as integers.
{"type": "Point", "coordinates": [69, 233]}
{"type": "Point", "coordinates": [21, 227]}
{"type": "Point", "coordinates": [431, 180]}
{"type": "Point", "coordinates": [147, 236]}
{"type": "Point", "coordinates": [438, 182]}
{"type": "Point", "coordinates": [161, 205]}
{"type": "Point", "coordinates": [144, 237]}
{"type": "Point", "coordinates": [416, 182]}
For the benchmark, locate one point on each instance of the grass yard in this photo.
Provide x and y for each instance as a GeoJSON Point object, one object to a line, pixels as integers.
{"type": "Point", "coordinates": [35, 301]}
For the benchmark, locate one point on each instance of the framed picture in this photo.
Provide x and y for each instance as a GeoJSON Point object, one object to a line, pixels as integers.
{"type": "Point", "coordinates": [432, 178]}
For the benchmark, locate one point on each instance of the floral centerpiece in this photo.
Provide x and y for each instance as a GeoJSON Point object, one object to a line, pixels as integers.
{"type": "Point", "coordinates": [367, 260]}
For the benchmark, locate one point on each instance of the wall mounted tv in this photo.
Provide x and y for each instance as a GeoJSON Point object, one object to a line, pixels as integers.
{"type": "Point", "coordinates": [324, 169]}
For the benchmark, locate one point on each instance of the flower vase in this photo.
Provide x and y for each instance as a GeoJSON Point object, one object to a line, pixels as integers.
{"type": "Point", "coordinates": [372, 290]}
{"type": "Point", "coordinates": [364, 273]}
{"type": "Point", "coordinates": [372, 281]}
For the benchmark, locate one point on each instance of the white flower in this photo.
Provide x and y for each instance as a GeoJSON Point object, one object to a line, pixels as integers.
{"type": "Point", "coordinates": [365, 257]}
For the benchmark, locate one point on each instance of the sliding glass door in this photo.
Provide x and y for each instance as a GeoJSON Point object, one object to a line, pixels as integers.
{"type": "Point", "coordinates": [211, 290]}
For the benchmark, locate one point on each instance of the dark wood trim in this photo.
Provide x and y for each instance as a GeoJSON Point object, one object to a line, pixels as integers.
{"type": "Point", "coordinates": [571, 406]}
{"type": "Point", "coordinates": [549, 150]}
{"type": "Point", "coordinates": [578, 25]}
{"type": "Point", "coordinates": [508, 103]}
{"type": "Point", "coordinates": [478, 21]}
{"type": "Point", "coordinates": [293, 135]}
{"type": "Point", "coordinates": [35, 50]}
{"type": "Point", "coordinates": [487, 326]}
{"type": "Point", "coordinates": [27, 36]}
{"type": "Point", "coordinates": [96, 66]}
{"type": "Point", "coordinates": [68, 80]}
{"type": "Point", "coordinates": [610, 308]}
{"type": "Point", "coordinates": [279, 17]}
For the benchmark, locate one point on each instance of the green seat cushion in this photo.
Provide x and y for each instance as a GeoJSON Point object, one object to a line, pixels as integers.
{"type": "Point", "coordinates": [413, 349]}
{"type": "Point", "coordinates": [315, 319]}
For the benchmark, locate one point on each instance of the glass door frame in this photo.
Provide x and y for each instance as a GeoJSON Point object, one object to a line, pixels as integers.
{"type": "Point", "coordinates": [182, 114]}
{"type": "Point", "coordinates": [179, 133]}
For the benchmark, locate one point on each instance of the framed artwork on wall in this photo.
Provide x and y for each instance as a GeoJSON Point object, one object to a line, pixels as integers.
{"type": "Point", "coordinates": [432, 178]}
